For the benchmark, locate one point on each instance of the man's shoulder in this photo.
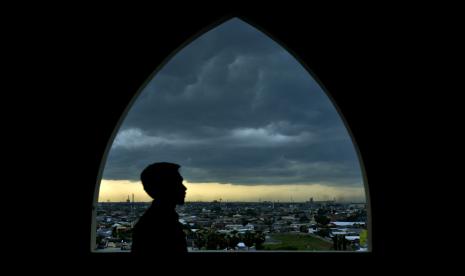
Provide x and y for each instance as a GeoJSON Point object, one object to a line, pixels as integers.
{"type": "Point", "coordinates": [158, 218]}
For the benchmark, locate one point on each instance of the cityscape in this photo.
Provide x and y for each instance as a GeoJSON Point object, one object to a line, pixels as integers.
{"type": "Point", "coordinates": [245, 226]}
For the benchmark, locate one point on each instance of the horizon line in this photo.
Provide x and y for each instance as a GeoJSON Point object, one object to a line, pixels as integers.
{"type": "Point", "coordinates": [264, 201]}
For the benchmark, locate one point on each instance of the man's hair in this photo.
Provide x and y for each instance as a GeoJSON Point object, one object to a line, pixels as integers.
{"type": "Point", "coordinates": [155, 176]}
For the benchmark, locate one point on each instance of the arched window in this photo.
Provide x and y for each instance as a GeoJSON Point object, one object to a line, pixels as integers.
{"type": "Point", "coordinates": [267, 158]}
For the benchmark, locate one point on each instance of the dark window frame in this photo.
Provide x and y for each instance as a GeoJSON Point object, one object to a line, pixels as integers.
{"type": "Point", "coordinates": [167, 57]}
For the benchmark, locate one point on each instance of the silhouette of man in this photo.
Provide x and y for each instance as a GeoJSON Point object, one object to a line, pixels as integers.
{"type": "Point", "coordinates": [158, 231]}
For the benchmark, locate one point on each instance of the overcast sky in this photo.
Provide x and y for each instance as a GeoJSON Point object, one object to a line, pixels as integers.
{"type": "Point", "coordinates": [235, 107]}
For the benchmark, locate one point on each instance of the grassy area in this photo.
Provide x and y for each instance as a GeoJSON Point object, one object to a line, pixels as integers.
{"type": "Point", "coordinates": [297, 241]}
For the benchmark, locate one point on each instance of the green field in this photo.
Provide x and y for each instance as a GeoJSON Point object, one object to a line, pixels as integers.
{"type": "Point", "coordinates": [296, 241]}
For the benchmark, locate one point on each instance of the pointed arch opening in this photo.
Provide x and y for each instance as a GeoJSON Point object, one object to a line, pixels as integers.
{"type": "Point", "coordinates": [266, 154]}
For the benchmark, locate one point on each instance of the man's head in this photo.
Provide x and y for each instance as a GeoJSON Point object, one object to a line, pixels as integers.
{"type": "Point", "coordinates": [163, 183]}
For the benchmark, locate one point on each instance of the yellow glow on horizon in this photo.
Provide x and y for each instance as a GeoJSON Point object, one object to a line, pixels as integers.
{"type": "Point", "coordinates": [119, 190]}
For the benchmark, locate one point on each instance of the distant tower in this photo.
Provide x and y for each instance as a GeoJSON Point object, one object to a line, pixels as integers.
{"type": "Point", "coordinates": [133, 207]}
{"type": "Point", "coordinates": [127, 200]}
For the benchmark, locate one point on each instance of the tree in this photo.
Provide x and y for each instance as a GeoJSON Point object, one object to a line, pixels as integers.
{"type": "Point", "coordinates": [200, 239]}
{"type": "Point", "coordinates": [114, 233]}
{"type": "Point", "coordinates": [335, 243]}
{"type": "Point", "coordinates": [99, 239]}
{"type": "Point", "coordinates": [222, 242]}
{"type": "Point", "coordinates": [188, 232]}
{"type": "Point", "coordinates": [259, 239]}
{"type": "Point", "coordinates": [249, 239]}
{"type": "Point", "coordinates": [212, 240]}
{"type": "Point", "coordinates": [232, 239]}
{"type": "Point", "coordinates": [322, 211]}
{"type": "Point", "coordinates": [321, 219]}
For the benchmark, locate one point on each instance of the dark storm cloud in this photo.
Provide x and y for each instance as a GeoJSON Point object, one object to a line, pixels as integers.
{"type": "Point", "coordinates": [235, 107]}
